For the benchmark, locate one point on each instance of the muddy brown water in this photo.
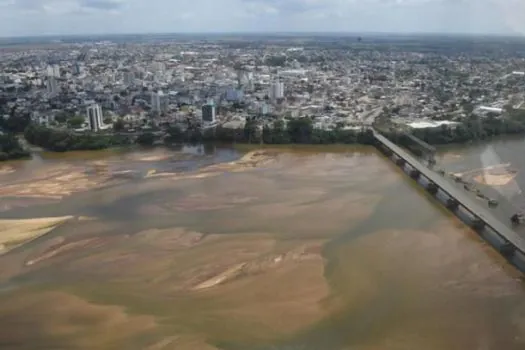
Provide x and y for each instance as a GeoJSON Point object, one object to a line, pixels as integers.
{"type": "Point", "coordinates": [387, 267]}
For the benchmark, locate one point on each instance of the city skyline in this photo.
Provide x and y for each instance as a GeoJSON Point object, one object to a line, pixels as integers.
{"type": "Point", "coordinates": [78, 17]}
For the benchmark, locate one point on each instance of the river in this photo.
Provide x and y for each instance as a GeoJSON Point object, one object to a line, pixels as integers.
{"type": "Point", "coordinates": [296, 248]}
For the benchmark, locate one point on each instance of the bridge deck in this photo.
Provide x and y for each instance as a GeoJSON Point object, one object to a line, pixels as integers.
{"type": "Point", "coordinates": [452, 191]}
{"type": "Point", "coordinates": [421, 143]}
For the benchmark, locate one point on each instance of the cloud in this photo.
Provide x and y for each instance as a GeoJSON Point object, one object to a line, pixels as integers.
{"type": "Point", "coordinates": [62, 6]}
{"type": "Point", "coordinates": [102, 4]}
{"type": "Point", "coordinates": [27, 17]}
{"type": "Point", "coordinates": [292, 6]}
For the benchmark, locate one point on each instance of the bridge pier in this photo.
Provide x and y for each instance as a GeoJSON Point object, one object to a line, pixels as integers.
{"type": "Point", "coordinates": [415, 174]}
{"type": "Point", "coordinates": [432, 188]}
{"type": "Point", "coordinates": [477, 224]}
{"type": "Point", "coordinates": [507, 250]}
{"type": "Point", "coordinates": [452, 204]}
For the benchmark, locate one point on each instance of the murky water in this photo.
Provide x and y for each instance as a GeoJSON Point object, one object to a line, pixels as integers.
{"type": "Point", "coordinates": [311, 249]}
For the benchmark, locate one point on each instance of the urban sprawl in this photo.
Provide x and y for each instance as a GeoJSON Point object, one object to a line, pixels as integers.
{"type": "Point", "coordinates": [106, 86]}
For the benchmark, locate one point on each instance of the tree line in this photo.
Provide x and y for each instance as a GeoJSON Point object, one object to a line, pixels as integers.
{"type": "Point", "coordinates": [295, 131]}
{"type": "Point", "coordinates": [292, 131]}
{"type": "Point", "coordinates": [10, 148]}
{"type": "Point", "coordinates": [471, 129]}
{"type": "Point", "coordinates": [63, 140]}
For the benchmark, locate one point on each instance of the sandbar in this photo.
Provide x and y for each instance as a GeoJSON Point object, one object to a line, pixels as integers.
{"type": "Point", "coordinates": [16, 232]}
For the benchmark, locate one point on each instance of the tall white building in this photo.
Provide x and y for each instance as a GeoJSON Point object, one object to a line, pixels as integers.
{"type": "Point", "coordinates": [159, 102]}
{"type": "Point", "coordinates": [94, 116]}
{"type": "Point", "coordinates": [52, 86]}
{"type": "Point", "coordinates": [276, 91]}
{"type": "Point", "coordinates": [53, 71]}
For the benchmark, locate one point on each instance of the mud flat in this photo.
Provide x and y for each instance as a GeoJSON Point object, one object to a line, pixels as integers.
{"type": "Point", "coordinates": [248, 161]}
{"type": "Point", "coordinates": [55, 183]}
{"type": "Point", "coordinates": [6, 169]}
{"type": "Point", "coordinates": [14, 233]}
{"type": "Point", "coordinates": [496, 175]}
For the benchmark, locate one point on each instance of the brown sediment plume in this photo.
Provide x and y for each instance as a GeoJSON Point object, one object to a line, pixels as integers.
{"type": "Point", "coordinates": [250, 273]}
{"type": "Point", "coordinates": [64, 321]}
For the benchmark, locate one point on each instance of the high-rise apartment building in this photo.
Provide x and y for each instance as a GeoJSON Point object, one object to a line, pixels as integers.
{"type": "Point", "coordinates": [276, 91]}
{"type": "Point", "coordinates": [159, 102]}
{"type": "Point", "coordinates": [209, 112]}
{"type": "Point", "coordinates": [94, 116]}
{"type": "Point", "coordinates": [52, 86]}
{"type": "Point", "coordinates": [53, 71]}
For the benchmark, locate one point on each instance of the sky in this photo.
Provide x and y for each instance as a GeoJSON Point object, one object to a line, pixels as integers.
{"type": "Point", "coordinates": [63, 17]}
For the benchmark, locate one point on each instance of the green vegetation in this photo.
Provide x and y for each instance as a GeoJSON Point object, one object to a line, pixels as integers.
{"type": "Point", "coordinates": [65, 140]}
{"type": "Point", "coordinates": [76, 122]}
{"type": "Point", "coordinates": [146, 139]}
{"type": "Point", "coordinates": [471, 129]}
{"type": "Point", "coordinates": [296, 131]}
{"type": "Point", "coordinates": [15, 124]}
{"type": "Point", "coordinates": [10, 148]}
{"type": "Point", "coordinates": [286, 131]}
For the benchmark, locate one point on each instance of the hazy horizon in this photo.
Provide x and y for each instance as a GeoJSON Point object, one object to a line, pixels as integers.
{"type": "Point", "coordinates": [103, 17]}
{"type": "Point", "coordinates": [269, 33]}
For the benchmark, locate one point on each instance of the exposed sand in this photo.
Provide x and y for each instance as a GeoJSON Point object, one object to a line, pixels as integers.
{"type": "Point", "coordinates": [6, 169]}
{"type": "Point", "coordinates": [496, 175]}
{"type": "Point", "coordinates": [250, 160]}
{"type": "Point", "coordinates": [55, 182]}
{"type": "Point", "coordinates": [16, 232]}
{"type": "Point", "coordinates": [494, 179]}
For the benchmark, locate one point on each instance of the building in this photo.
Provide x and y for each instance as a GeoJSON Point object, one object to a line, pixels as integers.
{"type": "Point", "coordinates": [52, 86]}
{"type": "Point", "coordinates": [234, 95]}
{"type": "Point", "coordinates": [129, 78]}
{"type": "Point", "coordinates": [264, 109]}
{"type": "Point", "coordinates": [276, 91]}
{"type": "Point", "coordinates": [94, 114]}
{"type": "Point", "coordinates": [159, 102]}
{"type": "Point", "coordinates": [490, 109]}
{"type": "Point", "coordinates": [76, 69]}
{"type": "Point", "coordinates": [53, 71]}
{"type": "Point", "coordinates": [209, 112]}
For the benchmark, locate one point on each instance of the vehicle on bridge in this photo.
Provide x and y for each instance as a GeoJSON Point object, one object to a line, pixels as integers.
{"type": "Point", "coordinates": [517, 219]}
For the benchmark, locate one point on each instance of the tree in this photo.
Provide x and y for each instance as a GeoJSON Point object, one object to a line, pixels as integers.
{"type": "Point", "coordinates": [118, 125]}
{"type": "Point", "coordinates": [250, 130]}
{"type": "Point", "coordinates": [76, 122]}
{"type": "Point", "coordinates": [61, 117]}
{"type": "Point", "coordinates": [146, 139]}
{"type": "Point", "coordinates": [175, 134]}
{"type": "Point", "coordinates": [15, 123]}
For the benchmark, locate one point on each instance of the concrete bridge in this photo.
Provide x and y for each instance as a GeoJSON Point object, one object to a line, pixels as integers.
{"type": "Point", "coordinates": [500, 235]}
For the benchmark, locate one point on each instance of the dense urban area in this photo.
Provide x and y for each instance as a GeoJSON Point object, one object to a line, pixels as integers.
{"type": "Point", "coordinates": [91, 93]}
